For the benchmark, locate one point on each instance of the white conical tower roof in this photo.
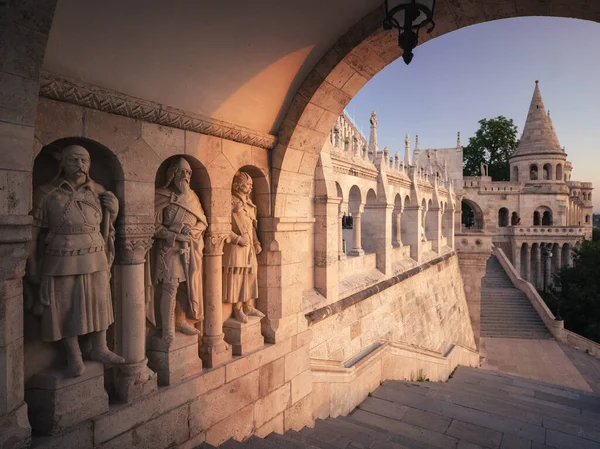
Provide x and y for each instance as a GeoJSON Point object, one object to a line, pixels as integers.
{"type": "Point", "coordinates": [538, 136]}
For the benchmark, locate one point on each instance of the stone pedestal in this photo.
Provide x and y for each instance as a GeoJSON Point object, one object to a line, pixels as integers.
{"type": "Point", "coordinates": [135, 380]}
{"type": "Point", "coordinates": [56, 402]}
{"type": "Point", "coordinates": [175, 362]}
{"type": "Point", "coordinates": [243, 337]}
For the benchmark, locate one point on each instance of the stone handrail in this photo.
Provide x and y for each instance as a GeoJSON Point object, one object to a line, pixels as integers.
{"type": "Point", "coordinates": [547, 230]}
{"type": "Point", "coordinates": [556, 327]}
{"type": "Point", "coordinates": [583, 344]}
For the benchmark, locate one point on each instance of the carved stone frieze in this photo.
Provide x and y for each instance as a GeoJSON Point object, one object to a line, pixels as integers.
{"type": "Point", "coordinates": [59, 88]}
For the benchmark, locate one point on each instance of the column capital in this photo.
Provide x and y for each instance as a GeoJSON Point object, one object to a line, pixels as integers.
{"type": "Point", "coordinates": [133, 242]}
{"type": "Point", "coordinates": [214, 243]}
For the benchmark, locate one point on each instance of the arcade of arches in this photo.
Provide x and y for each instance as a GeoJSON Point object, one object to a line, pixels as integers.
{"type": "Point", "coordinates": [241, 111]}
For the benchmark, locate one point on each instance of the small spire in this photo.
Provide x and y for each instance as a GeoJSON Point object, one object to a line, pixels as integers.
{"type": "Point", "coordinates": [407, 150]}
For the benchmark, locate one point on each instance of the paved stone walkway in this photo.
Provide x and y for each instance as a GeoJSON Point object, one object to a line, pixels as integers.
{"type": "Point", "coordinates": [475, 409]}
{"type": "Point", "coordinates": [588, 366]}
{"type": "Point", "coordinates": [542, 360]}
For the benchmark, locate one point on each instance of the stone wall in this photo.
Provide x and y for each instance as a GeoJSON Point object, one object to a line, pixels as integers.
{"type": "Point", "coordinates": [428, 309]}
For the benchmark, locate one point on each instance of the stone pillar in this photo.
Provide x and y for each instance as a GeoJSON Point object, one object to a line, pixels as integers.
{"type": "Point", "coordinates": [15, 231]}
{"type": "Point", "coordinates": [472, 267]}
{"type": "Point", "coordinates": [378, 233]}
{"type": "Point", "coordinates": [516, 257]}
{"type": "Point", "coordinates": [356, 230]}
{"type": "Point", "coordinates": [412, 216]}
{"type": "Point", "coordinates": [25, 26]}
{"type": "Point", "coordinates": [538, 267]}
{"type": "Point", "coordinates": [528, 262]}
{"type": "Point", "coordinates": [327, 249]}
{"type": "Point", "coordinates": [213, 350]}
{"type": "Point", "coordinates": [134, 378]}
{"type": "Point", "coordinates": [547, 267]}
{"type": "Point", "coordinates": [341, 254]}
{"type": "Point", "coordinates": [569, 256]}
{"type": "Point", "coordinates": [557, 258]}
{"type": "Point", "coordinates": [398, 228]}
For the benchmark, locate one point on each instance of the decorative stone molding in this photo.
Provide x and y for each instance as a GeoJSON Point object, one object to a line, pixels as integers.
{"type": "Point", "coordinates": [66, 90]}
{"type": "Point", "coordinates": [133, 242]}
{"type": "Point", "coordinates": [213, 243]}
{"type": "Point", "coordinates": [15, 232]}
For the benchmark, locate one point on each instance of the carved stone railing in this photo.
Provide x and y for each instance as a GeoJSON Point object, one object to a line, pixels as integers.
{"type": "Point", "coordinates": [554, 231]}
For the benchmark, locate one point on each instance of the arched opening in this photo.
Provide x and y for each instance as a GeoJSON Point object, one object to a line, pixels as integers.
{"type": "Point", "coordinates": [533, 172]}
{"type": "Point", "coordinates": [471, 215]}
{"type": "Point", "coordinates": [587, 218]}
{"type": "Point", "coordinates": [52, 193]}
{"type": "Point", "coordinates": [515, 173]}
{"type": "Point", "coordinates": [559, 172]}
{"type": "Point", "coordinates": [397, 221]}
{"type": "Point", "coordinates": [534, 263]}
{"type": "Point", "coordinates": [547, 172]}
{"type": "Point", "coordinates": [547, 218]}
{"type": "Point", "coordinates": [536, 218]}
{"type": "Point", "coordinates": [514, 219]}
{"type": "Point", "coordinates": [566, 255]}
{"type": "Point", "coordinates": [371, 228]}
{"type": "Point", "coordinates": [584, 196]}
{"type": "Point", "coordinates": [432, 224]}
{"type": "Point", "coordinates": [503, 217]}
{"type": "Point", "coordinates": [354, 206]}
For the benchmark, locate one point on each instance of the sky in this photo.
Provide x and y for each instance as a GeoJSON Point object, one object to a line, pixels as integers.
{"type": "Point", "coordinates": [487, 70]}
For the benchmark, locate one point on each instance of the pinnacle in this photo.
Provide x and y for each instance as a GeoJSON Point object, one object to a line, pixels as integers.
{"type": "Point", "coordinates": [538, 133]}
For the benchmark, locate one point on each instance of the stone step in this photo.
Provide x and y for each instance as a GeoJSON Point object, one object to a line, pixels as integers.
{"type": "Point", "coordinates": [287, 442]}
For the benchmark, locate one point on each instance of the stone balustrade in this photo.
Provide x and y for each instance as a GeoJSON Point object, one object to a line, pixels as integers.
{"type": "Point", "coordinates": [558, 231]}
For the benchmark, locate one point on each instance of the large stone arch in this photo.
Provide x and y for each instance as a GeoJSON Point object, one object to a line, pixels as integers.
{"type": "Point", "coordinates": [353, 60]}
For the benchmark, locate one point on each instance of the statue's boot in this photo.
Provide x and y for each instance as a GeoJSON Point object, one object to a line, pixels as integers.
{"type": "Point", "coordinates": [238, 313]}
{"type": "Point", "coordinates": [181, 324]}
{"type": "Point", "coordinates": [75, 363]}
{"type": "Point", "coordinates": [101, 353]}
{"type": "Point", "coordinates": [167, 312]}
{"type": "Point", "coordinates": [252, 311]}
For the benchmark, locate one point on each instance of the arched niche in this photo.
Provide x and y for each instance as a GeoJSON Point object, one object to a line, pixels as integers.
{"type": "Point", "coordinates": [105, 170]}
{"type": "Point", "coordinates": [261, 198]}
{"type": "Point", "coordinates": [200, 181]}
{"type": "Point", "coordinates": [515, 173]}
{"type": "Point", "coordinates": [559, 172]}
{"type": "Point", "coordinates": [533, 172]}
{"type": "Point", "coordinates": [503, 217]}
{"type": "Point", "coordinates": [514, 219]}
{"type": "Point", "coordinates": [547, 171]}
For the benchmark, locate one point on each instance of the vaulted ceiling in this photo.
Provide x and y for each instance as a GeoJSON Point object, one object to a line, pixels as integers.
{"type": "Point", "coordinates": [234, 60]}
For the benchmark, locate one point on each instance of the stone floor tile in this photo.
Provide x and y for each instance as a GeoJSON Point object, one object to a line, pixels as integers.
{"type": "Point", "coordinates": [565, 441]}
{"type": "Point", "coordinates": [514, 442]}
{"type": "Point", "coordinates": [426, 420]}
{"type": "Point", "coordinates": [475, 434]}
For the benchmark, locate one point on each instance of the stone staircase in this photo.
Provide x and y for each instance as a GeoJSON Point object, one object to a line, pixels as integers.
{"type": "Point", "coordinates": [505, 310]}
{"type": "Point", "coordinates": [474, 409]}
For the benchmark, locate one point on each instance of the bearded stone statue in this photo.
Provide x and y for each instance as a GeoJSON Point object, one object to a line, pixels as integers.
{"type": "Point", "coordinates": [176, 258]}
{"type": "Point", "coordinates": [71, 253]}
{"type": "Point", "coordinates": [240, 265]}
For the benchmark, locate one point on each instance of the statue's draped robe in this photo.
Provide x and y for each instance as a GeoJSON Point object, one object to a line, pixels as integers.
{"type": "Point", "coordinates": [74, 259]}
{"type": "Point", "coordinates": [166, 261]}
{"type": "Point", "coordinates": [240, 265]}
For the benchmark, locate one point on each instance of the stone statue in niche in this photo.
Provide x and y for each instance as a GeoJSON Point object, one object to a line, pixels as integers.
{"type": "Point", "coordinates": [175, 263]}
{"type": "Point", "coordinates": [71, 253]}
{"type": "Point", "coordinates": [240, 285]}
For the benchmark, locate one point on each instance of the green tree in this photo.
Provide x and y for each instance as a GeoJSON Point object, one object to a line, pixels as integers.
{"type": "Point", "coordinates": [577, 292]}
{"type": "Point", "coordinates": [494, 142]}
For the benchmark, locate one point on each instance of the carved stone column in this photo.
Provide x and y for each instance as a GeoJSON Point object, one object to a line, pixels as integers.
{"type": "Point", "coordinates": [528, 262]}
{"type": "Point", "coordinates": [557, 259]}
{"type": "Point", "coordinates": [134, 378]}
{"type": "Point", "coordinates": [213, 350]}
{"type": "Point", "coordinates": [538, 267]}
{"type": "Point", "coordinates": [341, 253]}
{"type": "Point", "coordinates": [356, 231]}
{"type": "Point", "coordinates": [15, 232]}
{"type": "Point", "coordinates": [516, 257]}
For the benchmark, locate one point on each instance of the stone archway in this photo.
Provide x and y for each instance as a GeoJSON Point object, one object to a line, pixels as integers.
{"type": "Point", "coordinates": [353, 60]}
